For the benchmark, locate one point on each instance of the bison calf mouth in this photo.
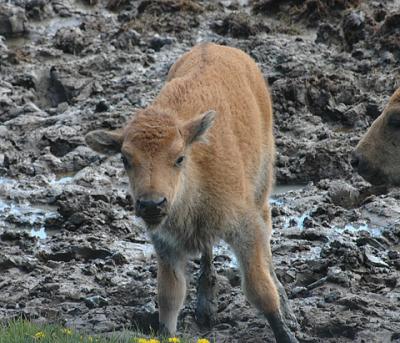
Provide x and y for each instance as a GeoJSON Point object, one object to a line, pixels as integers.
{"type": "Point", "coordinates": [364, 168]}
{"type": "Point", "coordinates": [154, 220]}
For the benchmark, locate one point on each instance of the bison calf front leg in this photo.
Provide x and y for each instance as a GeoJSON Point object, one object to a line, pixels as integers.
{"type": "Point", "coordinates": [251, 246]}
{"type": "Point", "coordinates": [171, 293]}
{"type": "Point", "coordinates": [206, 308]}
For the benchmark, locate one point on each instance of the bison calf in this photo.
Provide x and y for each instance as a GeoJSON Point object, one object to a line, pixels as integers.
{"type": "Point", "coordinates": [377, 155]}
{"type": "Point", "coordinates": [200, 164]}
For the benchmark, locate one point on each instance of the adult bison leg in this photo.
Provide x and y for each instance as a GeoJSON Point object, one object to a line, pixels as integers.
{"type": "Point", "coordinates": [171, 285]}
{"type": "Point", "coordinates": [206, 308]}
{"type": "Point", "coordinates": [251, 246]}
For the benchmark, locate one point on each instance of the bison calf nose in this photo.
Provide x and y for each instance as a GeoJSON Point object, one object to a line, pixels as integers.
{"type": "Point", "coordinates": [151, 204]}
{"type": "Point", "coordinates": [355, 160]}
{"type": "Point", "coordinates": [151, 209]}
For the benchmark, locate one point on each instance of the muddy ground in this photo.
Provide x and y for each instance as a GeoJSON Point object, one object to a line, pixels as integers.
{"type": "Point", "coordinates": [71, 250]}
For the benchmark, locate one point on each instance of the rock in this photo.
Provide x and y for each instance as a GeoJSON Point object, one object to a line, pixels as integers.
{"type": "Point", "coordinates": [391, 23]}
{"type": "Point", "coordinates": [75, 253]}
{"type": "Point", "coordinates": [102, 106]}
{"type": "Point", "coordinates": [12, 20]}
{"type": "Point", "coordinates": [70, 40]}
{"type": "Point", "coordinates": [342, 194]}
{"type": "Point", "coordinates": [338, 276]}
{"type": "Point", "coordinates": [15, 236]}
{"type": "Point", "coordinates": [387, 57]}
{"type": "Point", "coordinates": [379, 14]}
{"type": "Point", "coordinates": [64, 86]}
{"type": "Point", "coordinates": [157, 42]}
{"type": "Point", "coordinates": [96, 301]}
{"type": "Point", "coordinates": [266, 6]}
{"type": "Point", "coordinates": [353, 27]}
{"type": "Point", "coordinates": [159, 7]}
{"type": "Point", "coordinates": [127, 39]}
{"type": "Point", "coordinates": [36, 9]}
{"type": "Point", "coordinates": [329, 35]}
{"type": "Point", "coordinates": [119, 259]}
{"type": "Point", "coordinates": [314, 235]}
{"type": "Point", "coordinates": [393, 255]}
{"type": "Point", "coordinates": [373, 259]}
{"type": "Point", "coordinates": [6, 263]}
{"type": "Point", "coordinates": [239, 25]}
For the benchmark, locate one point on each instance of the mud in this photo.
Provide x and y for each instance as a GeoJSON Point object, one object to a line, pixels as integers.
{"type": "Point", "coordinates": [71, 249]}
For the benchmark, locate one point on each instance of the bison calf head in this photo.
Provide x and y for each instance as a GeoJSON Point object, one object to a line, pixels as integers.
{"type": "Point", "coordinates": [377, 155]}
{"type": "Point", "coordinates": [156, 149]}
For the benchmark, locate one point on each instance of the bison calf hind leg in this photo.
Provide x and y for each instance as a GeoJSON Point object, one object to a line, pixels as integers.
{"type": "Point", "coordinates": [286, 310]}
{"type": "Point", "coordinates": [251, 246]}
{"type": "Point", "coordinates": [206, 307]}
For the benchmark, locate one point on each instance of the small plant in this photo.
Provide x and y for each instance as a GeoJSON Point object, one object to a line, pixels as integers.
{"type": "Point", "coordinates": [24, 331]}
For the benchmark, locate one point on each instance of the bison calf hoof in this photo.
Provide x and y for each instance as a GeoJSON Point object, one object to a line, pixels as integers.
{"type": "Point", "coordinates": [206, 313]}
{"type": "Point", "coordinates": [163, 331]}
{"type": "Point", "coordinates": [287, 337]}
{"type": "Point", "coordinates": [281, 331]}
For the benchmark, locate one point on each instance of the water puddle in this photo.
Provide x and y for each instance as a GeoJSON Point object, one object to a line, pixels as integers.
{"type": "Point", "coordinates": [25, 218]}
{"type": "Point", "coordinates": [49, 27]}
{"type": "Point", "coordinates": [63, 178]}
{"type": "Point", "coordinates": [18, 42]}
{"type": "Point", "coordinates": [312, 254]}
{"type": "Point", "coordinates": [6, 181]}
{"type": "Point", "coordinates": [222, 250]}
{"type": "Point", "coordinates": [280, 190]}
{"type": "Point", "coordinates": [42, 29]}
{"type": "Point", "coordinates": [296, 221]}
{"type": "Point", "coordinates": [39, 233]}
{"type": "Point", "coordinates": [374, 231]}
{"type": "Point", "coordinates": [54, 24]}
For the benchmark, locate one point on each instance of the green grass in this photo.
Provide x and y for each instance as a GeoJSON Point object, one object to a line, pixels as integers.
{"type": "Point", "coordinates": [21, 331]}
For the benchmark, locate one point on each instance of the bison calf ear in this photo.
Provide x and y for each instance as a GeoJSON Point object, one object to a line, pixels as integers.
{"type": "Point", "coordinates": [105, 142]}
{"type": "Point", "coordinates": [195, 129]}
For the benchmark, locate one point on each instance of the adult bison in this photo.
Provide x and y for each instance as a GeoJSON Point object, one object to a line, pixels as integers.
{"type": "Point", "coordinates": [377, 155]}
{"type": "Point", "coordinates": [200, 162]}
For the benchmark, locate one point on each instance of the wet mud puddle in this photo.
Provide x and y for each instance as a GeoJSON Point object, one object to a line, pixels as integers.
{"type": "Point", "coordinates": [25, 215]}
{"type": "Point", "coordinates": [47, 28]}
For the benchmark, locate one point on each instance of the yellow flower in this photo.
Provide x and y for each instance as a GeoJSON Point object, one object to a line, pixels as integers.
{"type": "Point", "coordinates": [39, 335]}
{"type": "Point", "coordinates": [203, 340]}
{"type": "Point", "coordinates": [173, 340]}
{"type": "Point", "coordinates": [153, 340]}
{"type": "Point", "coordinates": [90, 339]}
{"type": "Point", "coordinates": [141, 340]}
{"type": "Point", "coordinates": [67, 331]}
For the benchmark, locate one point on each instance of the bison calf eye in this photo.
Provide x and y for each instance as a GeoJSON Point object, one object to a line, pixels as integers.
{"type": "Point", "coordinates": [179, 161]}
{"type": "Point", "coordinates": [125, 161]}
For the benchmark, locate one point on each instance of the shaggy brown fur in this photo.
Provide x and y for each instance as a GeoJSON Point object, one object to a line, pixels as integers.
{"type": "Point", "coordinates": [202, 154]}
{"type": "Point", "coordinates": [377, 155]}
